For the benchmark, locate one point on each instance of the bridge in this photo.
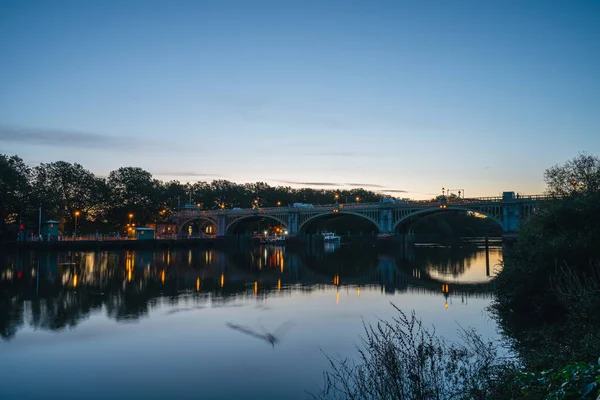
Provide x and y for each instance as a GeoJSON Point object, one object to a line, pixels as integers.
{"type": "Point", "coordinates": [507, 211]}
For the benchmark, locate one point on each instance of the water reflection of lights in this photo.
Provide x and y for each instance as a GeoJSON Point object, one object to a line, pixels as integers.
{"type": "Point", "coordinates": [336, 279]}
{"type": "Point", "coordinates": [255, 288]}
{"type": "Point", "coordinates": [222, 280]}
{"type": "Point", "coordinates": [337, 297]}
{"type": "Point", "coordinates": [75, 279]}
{"type": "Point", "coordinates": [162, 276]}
{"type": "Point", "coordinates": [358, 291]}
{"type": "Point", "coordinates": [278, 285]}
{"type": "Point", "coordinates": [198, 285]}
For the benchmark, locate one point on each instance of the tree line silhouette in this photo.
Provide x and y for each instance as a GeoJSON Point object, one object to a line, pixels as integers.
{"type": "Point", "coordinates": [61, 188]}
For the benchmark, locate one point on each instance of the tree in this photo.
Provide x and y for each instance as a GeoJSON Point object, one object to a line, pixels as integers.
{"type": "Point", "coordinates": [15, 189]}
{"type": "Point", "coordinates": [134, 191]}
{"type": "Point", "coordinates": [62, 188]}
{"type": "Point", "coordinates": [582, 173]}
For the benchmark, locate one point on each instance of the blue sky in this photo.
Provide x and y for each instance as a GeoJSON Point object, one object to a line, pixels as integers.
{"type": "Point", "coordinates": [405, 96]}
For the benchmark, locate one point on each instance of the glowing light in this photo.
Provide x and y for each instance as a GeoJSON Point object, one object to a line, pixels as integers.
{"type": "Point", "coordinates": [358, 290]}
{"type": "Point", "coordinates": [255, 288]}
{"type": "Point", "coordinates": [162, 276]}
{"type": "Point", "coordinates": [198, 285]}
{"type": "Point", "coordinates": [278, 285]}
{"type": "Point", "coordinates": [222, 280]}
{"type": "Point", "coordinates": [446, 305]}
{"type": "Point", "coordinates": [77, 213]}
{"type": "Point", "coordinates": [129, 275]}
{"type": "Point", "coordinates": [278, 204]}
{"type": "Point", "coordinates": [337, 297]}
{"type": "Point", "coordinates": [75, 280]}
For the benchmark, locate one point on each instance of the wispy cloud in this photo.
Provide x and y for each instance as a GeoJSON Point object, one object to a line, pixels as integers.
{"type": "Point", "coordinates": [72, 139]}
{"type": "Point", "coordinates": [369, 185]}
{"type": "Point", "coordinates": [394, 191]}
{"type": "Point", "coordinates": [184, 173]}
{"type": "Point", "coordinates": [309, 183]}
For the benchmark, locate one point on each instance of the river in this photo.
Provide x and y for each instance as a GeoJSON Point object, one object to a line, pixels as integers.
{"type": "Point", "coordinates": [205, 324]}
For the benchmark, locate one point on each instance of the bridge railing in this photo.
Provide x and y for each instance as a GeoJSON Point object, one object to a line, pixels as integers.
{"type": "Point", "coordinates": [192, 212]}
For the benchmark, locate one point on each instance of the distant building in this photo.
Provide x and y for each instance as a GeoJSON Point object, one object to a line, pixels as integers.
{"type": "Point", "coordinates": [163, 229]}
{"type": "Point", "coordinates": [49, 230]}
{"type": "Point", "coordinates": [144, 233]}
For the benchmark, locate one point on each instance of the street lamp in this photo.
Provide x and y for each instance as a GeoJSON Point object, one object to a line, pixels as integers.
{"type": "Point", "coordinates": [336, 197]}
{"type": "Point", "coordinates": [75, 230]}
{"type": "Point", "coordinates": [443, 191]}
{"type": "Point", "coordinates": [278, 204]}
{"type": "Point", "coordinates": [130, 217]}
{"type": "Point", "coordinates": [357, 199]}
{"type": "Point", "coordinates": [222, 206]}
{"type": "Point", "coordinates": [574, 183]}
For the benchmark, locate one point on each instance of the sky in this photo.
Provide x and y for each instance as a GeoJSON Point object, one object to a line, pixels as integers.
{"type": "Point", "coordinates": [403, 97]}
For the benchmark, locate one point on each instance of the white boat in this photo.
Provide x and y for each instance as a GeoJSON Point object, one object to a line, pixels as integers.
{"type": "Point", "coordinates": [330, 237]}
{"type": "Point", "coordinates": [275, 239]}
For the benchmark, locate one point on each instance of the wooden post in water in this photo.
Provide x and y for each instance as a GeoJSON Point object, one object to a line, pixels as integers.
{"type": "Point", "coordinates": [487, 256]}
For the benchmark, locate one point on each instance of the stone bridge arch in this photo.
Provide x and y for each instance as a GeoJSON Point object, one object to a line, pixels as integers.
{"type": "Point", "coordinates": [371, 216]}
{"type": "Point", "coordinates": [205, 220]}
{"type": "Point", "coordinates": [233, 221]}
{"type": "Point", "coordinates": [494, 213]}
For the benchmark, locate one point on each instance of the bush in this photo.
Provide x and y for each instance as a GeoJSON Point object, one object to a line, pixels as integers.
{"type": "Point", "coordinates": [403, 359]}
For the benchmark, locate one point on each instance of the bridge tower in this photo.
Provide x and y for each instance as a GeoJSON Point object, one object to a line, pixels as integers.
{"type": "Point", "coordinates": [221, 225]}
{"type": "Point", "coordinates": [510, 214]}
{"type": "Point", "coordinates": [385, 220]}
{"type": "Point", "coordinates": [293, 220]}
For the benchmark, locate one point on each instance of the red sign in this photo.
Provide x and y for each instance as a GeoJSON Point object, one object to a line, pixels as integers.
{"type": "Point", "coordinates": [21, 227]}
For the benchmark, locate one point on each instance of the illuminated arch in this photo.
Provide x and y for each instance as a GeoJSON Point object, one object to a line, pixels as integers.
{"type": "Point", "coordinates": [431, 211]}
{"type": "Point", "coordinates": [328, 214]}
{"type": "Point", "coordinates": [204, 219]}
{"type": "Point", "coordinates": [238, 220]}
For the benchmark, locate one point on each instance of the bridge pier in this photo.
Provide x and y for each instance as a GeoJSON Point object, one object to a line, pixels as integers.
{"type": "Point", "coordinates": [221, 225]}
{"type": "Point", "coordinates": [511, 216]}
{"type": "Point", "coordinates": [293, 223]}
{"type": "Point", "coordinates": [385, 220]}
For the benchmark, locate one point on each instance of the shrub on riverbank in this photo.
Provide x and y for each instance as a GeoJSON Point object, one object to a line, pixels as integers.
{"type": "Point", "coordinates": [402, 359]}
{"type": "Point", "coordinates": [548, 292]}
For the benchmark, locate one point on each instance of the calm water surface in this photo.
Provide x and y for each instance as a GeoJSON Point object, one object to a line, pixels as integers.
{"type": "Point", "coordinates": [203, 324]}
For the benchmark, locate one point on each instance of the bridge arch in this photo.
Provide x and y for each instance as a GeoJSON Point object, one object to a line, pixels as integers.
{"type": "Point", "coordinates": [203, 221]}
{"type": "Point", "coordinates": [232, 224]}
{"type": "Point", "coordinates": [410, 219]}
{"type": "Point", "coordinates": [305, 224]}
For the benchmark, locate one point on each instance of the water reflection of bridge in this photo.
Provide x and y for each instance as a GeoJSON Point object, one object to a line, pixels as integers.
{"type": "Point", "coordinates": [55, 290]}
